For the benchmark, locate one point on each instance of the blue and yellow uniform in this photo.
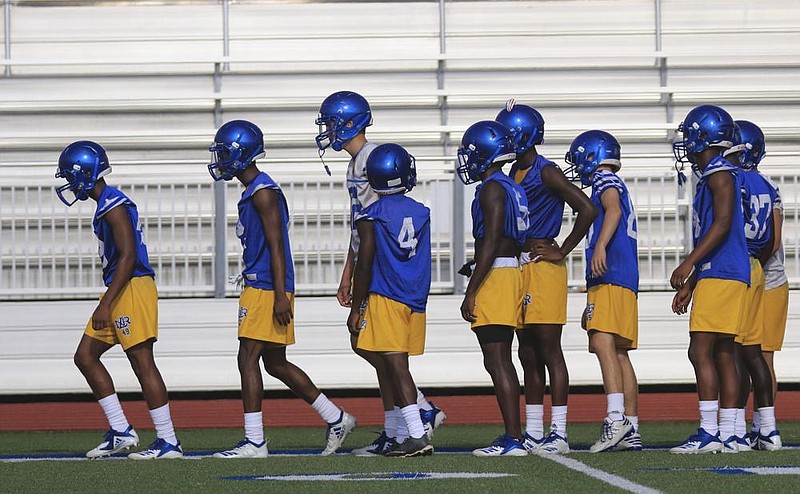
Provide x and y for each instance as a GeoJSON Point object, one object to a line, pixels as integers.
{"type": "Point", "coordinates": [256, 302]}
{"type": "Point", "coordinates": [724, 273]}
{"type": "Point", "coordinates": [544, 283]}
{"type": "Point", "coordinates": [611, 302]}
{"type": "Point", "coordinates": [499, 298]}
{"type": "Point", "coordinates": [394, 318]}
{"type": "Point", "coordinates": [758, 199]}
{"type": "Point", "coordinates": [134, 313]}
{"type": "Point", "coordinates": [776, 291]}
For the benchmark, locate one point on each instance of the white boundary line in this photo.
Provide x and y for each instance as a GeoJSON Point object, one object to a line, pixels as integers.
{"type": "Point", "coordinates": [603, 476]}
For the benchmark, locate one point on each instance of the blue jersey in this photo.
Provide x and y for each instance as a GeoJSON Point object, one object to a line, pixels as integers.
{"type": "Point", "coordinates": [401, 269]}
{"type": "Point", "coordinates": [729, 260]}
{"type": "Point", "coordinates": [256, 255]}
{"type": "Point", "coordinates": [622, 257]}
{"type": "Point", "coordinates": [515, 224]}
{"type": "Point", "coordinates": [107, 249]}
{"type": "Point", "coordinates": [546, 209]}
{"type": "Point", "coordinates": [758, 199]}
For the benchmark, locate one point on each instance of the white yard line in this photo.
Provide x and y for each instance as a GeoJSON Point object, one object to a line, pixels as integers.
{"type": "Point", "coordinates": [603, 476]}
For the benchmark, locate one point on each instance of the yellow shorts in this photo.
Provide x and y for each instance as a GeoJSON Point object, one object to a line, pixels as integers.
{"type": "Point", "coordinates": [134, 314]}
{"type": "Point", "coordinates": [718, 306]}
{"type": "Point", "coordinates": [615, 310]}
{"type": "Point", "coordinates": [391, 326]}
{"type": "Point", "coordinates": [256, 320]}
{"type": "Point", "coordinates": [544, 290]}
{"type": "Point", "coordinates": [499, 298]}
{"type": "Point", "coordinates": [751, 331]}
{"type": "Point", "coordinates": [776, 308]}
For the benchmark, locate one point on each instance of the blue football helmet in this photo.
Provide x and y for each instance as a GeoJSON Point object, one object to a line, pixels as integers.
{"type": "Point", "coordinates": [484, 144]}
{"type": "Point", "coordinates": [590, 150]}
{"type": "Point", "coordinates": [526, 124]}
{"type": "Point", "coordinates": [753, 144]}
{"type": "Point", "coordinates": [236, 146]}
{"type": "Point", "coordinates": [704, 127]}
{"type": "Point", "coordinates": [81, 164]}
{"type": "Point", "coordinates": [341, 117]}
{"type": "Point", "coordinates": [390, 169]}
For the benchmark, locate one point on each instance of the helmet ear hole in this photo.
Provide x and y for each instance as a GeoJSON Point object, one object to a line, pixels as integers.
{"type": "Point", "coordinates": [590, 156]}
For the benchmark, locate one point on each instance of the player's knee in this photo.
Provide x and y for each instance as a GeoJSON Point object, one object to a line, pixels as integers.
{"type": "Point", "coordinates": [83, 360]}
{"type": "Point", "coordinates": [276, 369]}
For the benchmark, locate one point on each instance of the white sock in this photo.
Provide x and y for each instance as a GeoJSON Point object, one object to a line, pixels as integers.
{"type": "Point", "coordinates": [756, 425]}
{"type": "Point", "coordinates": [634, 419]}
{"type": "Point", "coordinates": [534, 421]}
{"type": "Point", "coordinates": [402, 427]}
{"type": "Point", "coordinates": [615, 405]}
{"type": "Point", "coordinates": [558, 420]}
{"type": "Point", "coordinates": [767, 417]}
{"type": "Point", "coordinates": [727, 423]}
{"type": "Point", "coordinates": [413, 420]}
{"type": "Point", "coordinates": [740, 429]}
{"type": "Point", "coordinates": [390, 423]}
{"type": "Point", "coordinates": [327, 411]}
{"type": "Point", "coordinates": [708, 416]}
{"type": "Point", "coordinates": [422, 402]}
{"type": "Point", "coordinates": [254, 427]}
{"type": "Point", "coordinates": [163, 424]}
{"type": "Point", "coordinates": [113, 410]}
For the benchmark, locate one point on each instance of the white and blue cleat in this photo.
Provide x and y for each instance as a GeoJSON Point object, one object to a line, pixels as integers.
{"type": "Point", "coordinates": [432, 419]}
{"type": "Point", "coordinates": [337, 432]}
{"type": "Point", "coordinates": [159, 450]}
{"type": "Point", "coordinates": [245, 449]}
{"type": "Point", "coordinates": [114, 442]}
{"type": "Point", "coordinates": [530, 443]}
{"type": "Point", "coordinates": [554, 444]}
{"type": "Point", "coordinates": [504, 445]}
{"type": "Point", "coordinates": [700, 443]}
{"type": "Point", "coordinates": [379, 447]}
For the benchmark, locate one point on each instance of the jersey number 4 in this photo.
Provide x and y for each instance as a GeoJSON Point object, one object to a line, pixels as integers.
{"type": "Point", "coordinates": [407, 238]}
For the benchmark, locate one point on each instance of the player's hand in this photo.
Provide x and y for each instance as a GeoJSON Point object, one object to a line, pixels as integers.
{"type": "Point", "coordinates": [282, 309]}
{"type": "Point", "coordinates": [354, 322]}
{"type": "Point", "coordinates": [468, 308]}
{"type": "Point", "coordinates": [680, 275]}
{"type": "Point", "coordinates": [680, 302]}
{"type": "Point", "coordinates": [343, 295]}
{"type": "Point", "coordinates": [546, 252]}
{"type": "Point", "coordinates": [599, 266]}
{"type": "Point", "coordinates": [101, 318]}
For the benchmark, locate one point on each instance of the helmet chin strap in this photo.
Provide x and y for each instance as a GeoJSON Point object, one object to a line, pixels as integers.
{"type": "Point", "coordinates": [327, 170]}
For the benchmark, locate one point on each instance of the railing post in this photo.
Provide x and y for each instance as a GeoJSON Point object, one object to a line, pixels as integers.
{"type": "Point", "coordinates": [226, 41]}
{"type": "Point", "coordinates": [7, 32]}
{"type": "Point", "coordinates": [220, 214]}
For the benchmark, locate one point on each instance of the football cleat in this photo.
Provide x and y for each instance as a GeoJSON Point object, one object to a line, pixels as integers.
{"type": "Point", "coordinates": [114, 442]}
{"type": "Point", "coordinates": [631, 442]}
{"type": "Point", "coordinates": [743, 444]}
{"type": "Point", "coordinates": [530, 443]}
{"type": "Point", "coordinates": [770, 442]}
{"type": "Point", "coordinates": [553, 444]}
{"type": "Point", "coordinates": [378, 447]}
{"type": "Point", "coordinates": [699, 443]}
{"type": "Point", "coordinates": [412, 447]}
{"type": "Point", "coordinates": [611, 433]}
{"type": "Point", "coordinates": [730, 445]}
{"type": "Point", "coordinates": [432, 419]}
{"type": "Point", "coordinates": [159, 450]}
{"type": "Point", "coordinates": [245, 449]}
{"type": "Point", "coordinates": [337, 432]}
{"type": "Point", "coordinates": [504, 445]}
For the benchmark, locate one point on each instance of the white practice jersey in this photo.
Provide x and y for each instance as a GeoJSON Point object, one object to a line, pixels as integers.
{"type": "Point", "coordinates": [774, 271]}
{"type": "Point", "coordinates": [361, 194]}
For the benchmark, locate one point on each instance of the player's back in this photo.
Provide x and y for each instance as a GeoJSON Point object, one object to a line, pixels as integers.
{"type": "Point", "coordinates": [758, 199]}
{"type": "Point", "coordinates": [515, 222]}
{"type": "Point", "coordinates": [546, 209]}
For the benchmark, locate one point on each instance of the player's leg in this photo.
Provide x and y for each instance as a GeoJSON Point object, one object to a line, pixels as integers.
{"type": "Point", "coordinates": [155, 394]}
{"type": "Point", "coordinates": [740, 427]}
{"type": "Point", "coordinates": [120, 434]}
{"type": "Point", "coordinates": [763, 402]}
{"type": "Point", "coordinates": [548, 346]}
{"type": "Point", "coordinates": [405, 391]}
{"type": "Point", "coordinates": [630, 385]}
{"type": "Point", "coordinates": [534, 381]}
{"type": "Point", "coordinates": [495, 342]}
{"type": "Point", "coordinates": [725, 362]}
{"type": "Point", "coordinates": [339, 422]}
{"type": "Point", "coordinates": [615, 425]}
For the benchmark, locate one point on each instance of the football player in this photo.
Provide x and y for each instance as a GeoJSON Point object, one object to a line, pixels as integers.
{"type": "Point", "coordinates": [391, 283]}
{"type": "Point", "coordinates": [716, 273]}
{"type": "Point", "coordinates": [342, 120]}
{"type": "Point", "coordinates": [266, 305]}
{"type": "Point", "coordinates": [493, 299]}
{"type": "Point", "coordinates": [544, 276]}
{"type": "Point", "coordinates": [612, 280]}
{"type": "Point", "coordinates": [128, 310]}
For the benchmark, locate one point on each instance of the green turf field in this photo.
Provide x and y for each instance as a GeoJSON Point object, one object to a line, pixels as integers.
{"type": "Point", "coordinates": [657, 470]}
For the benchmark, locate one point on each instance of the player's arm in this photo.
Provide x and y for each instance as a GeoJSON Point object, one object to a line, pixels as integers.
{"type": "Point", "coordinates": [362, 276]}
{"type": "Point", "coordinates": [343, 294]}
{"type": "Point", "coordinates": [769, 248]}
{"type": "Point", "coordinates": [609, 200]}
{"type": "Point", "coordinates": [777, 230]}
{"type": "Point", "coordinates": [681, 300]}
{"type": "Point", "coordinates": [491, 200]}
{"type": "Point", "coordinates": [268, 206]}
{"type": "Point", "coordinates": [723, 191]}
{"type": "Point", "coordinates": [554, 179]}
{"type": "Point", "coordinates": [122, 231]}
